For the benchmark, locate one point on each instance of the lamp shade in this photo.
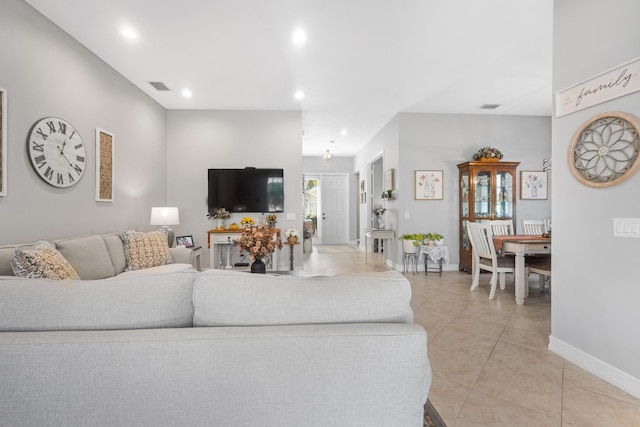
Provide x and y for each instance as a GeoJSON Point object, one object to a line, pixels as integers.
{"type": "Point", "coordinates": [164, 216]}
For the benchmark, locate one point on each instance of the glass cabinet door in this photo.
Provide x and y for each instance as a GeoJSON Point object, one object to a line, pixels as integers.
{"type": "Point", "coordinates": [464, 208]}
{"type": "Point", "coordinates": [482, 194]}
{"type": "Point", "coordinates": [504, 197]}
{"type": "Point", "coordinates": [464, 194]}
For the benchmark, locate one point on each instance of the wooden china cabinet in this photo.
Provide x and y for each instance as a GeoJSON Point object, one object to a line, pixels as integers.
{"type": "Point", "coordinates": [487, 191]}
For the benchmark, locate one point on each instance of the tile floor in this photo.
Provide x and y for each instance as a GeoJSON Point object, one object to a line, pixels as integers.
{"type": "Point", "coordinates": [490, 362]}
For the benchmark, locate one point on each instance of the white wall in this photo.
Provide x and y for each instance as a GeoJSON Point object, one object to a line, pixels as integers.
{"type": "Point", "coordinates": [384, 144]}
{"type": "Point", "coordinates": [200, 140]}
{"type": "Point", "coordinates": [595, 295]}
{"type": "Point", "coordinates": [47, 73]}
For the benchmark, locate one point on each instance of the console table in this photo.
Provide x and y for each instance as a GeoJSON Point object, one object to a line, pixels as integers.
{"type": "Point", "coordinates": [377, 233]}
{"type": "Point", "coordinates": [217, 239]}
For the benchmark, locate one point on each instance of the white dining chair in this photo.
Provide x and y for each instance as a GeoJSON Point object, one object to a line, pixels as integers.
{"type": "Point", "coordinates": [501, 227]}
{"type": "Point", "coordinates": [540, 265]}
{"type": "Point", "coordinates": [533, 227]}
{"type": "Point", "coordinates": [485, 257]}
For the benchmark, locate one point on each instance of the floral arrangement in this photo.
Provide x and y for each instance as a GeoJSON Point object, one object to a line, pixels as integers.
{"type": "Point", "coordinates": [219, 213]}
{"type": "Point", "coordinates": [272, 218]}
{"type": "Point", "coordinates": [534, 181]}
{"type": "Point", "coordinates": [488, 153]}
{"type": "Point", "coordinates": [292, 232]}
{"type": "Point", "coordinates": [378, 210]}
{"type": "Point", "coordinates": [247, 221]}
{"type": "Point", "coordinates": [258, 242]}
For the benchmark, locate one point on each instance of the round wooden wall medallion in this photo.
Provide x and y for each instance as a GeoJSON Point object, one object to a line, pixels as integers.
{"type": "Point", "coordinates": [604, 150]}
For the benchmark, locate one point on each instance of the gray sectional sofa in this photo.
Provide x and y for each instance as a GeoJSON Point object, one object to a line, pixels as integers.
{"type": "Point", "coordinates": [170, 347]}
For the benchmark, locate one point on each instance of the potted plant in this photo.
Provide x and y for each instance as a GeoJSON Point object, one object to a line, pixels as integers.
{"type": "Point", "coordinates": [292, 235]}
{"type": "Point", "coordinates": [434, 238]}
{"type": "Point", "coordinates": [410, 242]}
{"type": "Point", "coordinates": [488, 154]}
{"type": "Point", "coordinates": [220, 214]}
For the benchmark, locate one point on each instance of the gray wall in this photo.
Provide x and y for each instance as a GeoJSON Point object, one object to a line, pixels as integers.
{"type": "Point", "coordinates": [595, 276]}
{"type": "Point", "coordinates": [199, 140]}
{"type": "Point", "coordinates": [440, 142]}
{"type": "Point", "coordinates": [47, 73]}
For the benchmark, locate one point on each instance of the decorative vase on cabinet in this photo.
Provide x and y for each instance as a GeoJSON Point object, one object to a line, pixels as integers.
{"type": "Point", "coordinates": [487, 192]}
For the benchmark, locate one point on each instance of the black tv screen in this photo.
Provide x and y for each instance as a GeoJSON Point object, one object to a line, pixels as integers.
{"type": "Point", "coordinates": [246, 190]}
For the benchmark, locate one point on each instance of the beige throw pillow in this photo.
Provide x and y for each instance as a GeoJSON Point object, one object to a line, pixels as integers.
{"type": "Point", "coordinates": [42, 261]}
{"type": "Point", "coordinates": [145, 250]}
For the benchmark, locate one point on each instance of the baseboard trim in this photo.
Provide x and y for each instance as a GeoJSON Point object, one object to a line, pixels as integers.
{"type": "Point", "coordinates": [597, 367]}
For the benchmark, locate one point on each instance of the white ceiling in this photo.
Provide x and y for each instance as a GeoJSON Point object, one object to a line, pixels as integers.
{"type": "Point", "coordinates": [364, 60]}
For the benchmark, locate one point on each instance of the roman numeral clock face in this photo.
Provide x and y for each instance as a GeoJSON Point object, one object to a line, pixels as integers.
{"type": "Point", "coordinates": [57, 152]}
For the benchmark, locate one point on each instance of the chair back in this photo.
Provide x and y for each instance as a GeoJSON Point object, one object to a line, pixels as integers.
{"type": "Point", "coordinates": [481, 239]}
{"type": "Point", "coordinates": [533, 227]}
{"type": "Point", "coordinates": [501, 227]}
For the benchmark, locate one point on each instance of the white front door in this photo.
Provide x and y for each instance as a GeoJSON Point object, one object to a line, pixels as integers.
{"type": "Point", "coordinates": [335, 209]}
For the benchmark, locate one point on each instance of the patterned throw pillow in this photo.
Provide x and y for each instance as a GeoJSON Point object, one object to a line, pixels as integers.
{"type": "Point", "coordinates": [42, 261]}
{"type": "Point", "coordinates": [145, 250]}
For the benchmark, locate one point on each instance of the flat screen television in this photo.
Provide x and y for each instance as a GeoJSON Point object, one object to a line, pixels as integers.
{"type": "Point", "coordinates": [246, 190]}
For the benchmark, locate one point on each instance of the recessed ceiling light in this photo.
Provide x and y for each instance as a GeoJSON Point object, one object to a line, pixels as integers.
{"type": "Point", "coordinates": [299, 36]}
{"type": "Point", "coordinates": [186, 93]}
{"type": "Point", "coordinates": [343, 132]}
{"type": "Point", "coordinates": [299, 94]}
{"type": "Point", "coordinates": [129, 33]}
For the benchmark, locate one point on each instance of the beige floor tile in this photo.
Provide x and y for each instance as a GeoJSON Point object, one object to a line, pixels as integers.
{"type": "Point", "coordinates": [575, 376]}
{"type": "Point", "coordinates": [534, 339]}
{"type": "Point", "coordinates": [483, 410]}
{"type": "Point", "coordinates": [528, 378]}
{"type": "Point", "coordinates": [586, 408]}
{"type": "Point", "coordinates": [459, 356]}
{"type": "Point", "coordinates": [447, 397]}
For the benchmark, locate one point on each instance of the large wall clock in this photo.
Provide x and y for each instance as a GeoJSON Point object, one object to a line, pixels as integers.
{"type": "Point", "coordinates": [604, 150]}
{"type": "Point", "coordinates": [57, 152]}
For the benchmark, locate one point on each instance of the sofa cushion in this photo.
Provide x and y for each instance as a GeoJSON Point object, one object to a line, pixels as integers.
{"type": "Point", "coordinates": [232, 298]}
{"type": "Point", "coordinates": [144, 250]}
{"type": "Point", "coordinates": [115, 246]}
{"type": "Point", "coordinates": [162, 300]}
{"type": "Point", "coordinates": [42, 261]}
{"type": "Point", "coordinates": [88, 255]}
{"type": "Point", "coordinates": [6, 256]}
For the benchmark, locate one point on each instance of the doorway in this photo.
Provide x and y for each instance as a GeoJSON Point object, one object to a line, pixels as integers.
{"type": "Point", "coordinates": [326, 199]}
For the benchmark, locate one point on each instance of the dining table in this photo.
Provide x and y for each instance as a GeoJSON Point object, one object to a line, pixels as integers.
{"type": "Point", "coordinates": [521, 246]}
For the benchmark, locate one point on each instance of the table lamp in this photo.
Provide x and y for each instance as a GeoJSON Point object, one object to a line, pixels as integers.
{"type": "Point", "coordinates": [165, 217]}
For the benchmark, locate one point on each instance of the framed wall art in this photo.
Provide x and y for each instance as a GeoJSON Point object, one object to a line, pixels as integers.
{"type": "Point", "coordinates": [3, 142]}
{"type": "Point", "coordinates": [428, 185]}
{"type": "Point", "coordinates": [104, 166]}
{"type": "Point", "coordinates": [388, 180]}
{"type": "Point", "coordinates": [533, 185]}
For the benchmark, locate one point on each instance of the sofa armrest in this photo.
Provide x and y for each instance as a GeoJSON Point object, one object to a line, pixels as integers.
{"type": "Point", "coordinates": [182, 255]}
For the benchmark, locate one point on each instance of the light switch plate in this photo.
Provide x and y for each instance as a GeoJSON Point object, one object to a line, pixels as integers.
{"type": "Point", "coordinates": [291, 216]}
{"type": "Point", "coordinates": [626, 227]}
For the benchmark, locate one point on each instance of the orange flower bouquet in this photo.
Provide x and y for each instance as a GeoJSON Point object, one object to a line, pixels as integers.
{"type": "Point", "coordinates": [258, 241]}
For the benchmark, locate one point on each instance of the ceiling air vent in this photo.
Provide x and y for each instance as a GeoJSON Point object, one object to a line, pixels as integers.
{"type": "Point", "coordinates": [489, 106]}
{"type": "Point", "coordinates": [159, 85]}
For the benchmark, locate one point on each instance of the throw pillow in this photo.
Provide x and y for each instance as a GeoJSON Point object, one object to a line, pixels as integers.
{"type": "Point", "coordinates": [42, 261]}
{"type": "Point", "coordinates": [145, 250]}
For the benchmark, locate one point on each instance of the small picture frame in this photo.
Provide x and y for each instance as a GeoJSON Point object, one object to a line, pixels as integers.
{"type": "Point", "coordinates": [186, 241]}
{"type": "Point", "coordinates": [388, 180]}
{"type": "Point", "coordinates": [533, 185]}
{"type": "Point", "coordinates": [428, 185]}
